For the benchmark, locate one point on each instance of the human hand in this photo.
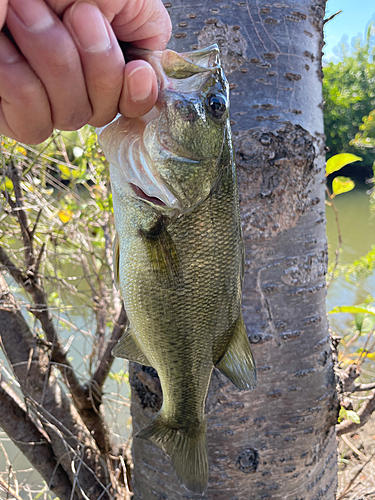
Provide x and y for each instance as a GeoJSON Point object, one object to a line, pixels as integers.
{"type": "Point", "coordinates": [3, 11]}
{"type": "Point", "coordinates": [71, 70]}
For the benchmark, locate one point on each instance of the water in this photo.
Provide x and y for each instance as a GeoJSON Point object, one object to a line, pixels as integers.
{"type": "Point", "coordinates": [357, 224]}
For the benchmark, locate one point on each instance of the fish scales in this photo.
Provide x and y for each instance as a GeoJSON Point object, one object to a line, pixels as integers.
{"type": "Point", "coordinates": [179, 250]}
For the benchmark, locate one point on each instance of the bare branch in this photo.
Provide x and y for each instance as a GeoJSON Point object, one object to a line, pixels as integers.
{"type": "Point", "coordinates": [8, 490]}
{"type": "Point", "coordinates": [331, 17]}
{"type": "Point", "coordinates": [109, 259]}
{"type": "Point", "coordinates": [107, 359]}
{"type": "Point", "coordinates": [337, 251]}
{"type": "Point", "coordinates": [364, 387]}
{"type": "Point", "coordinates": [14, 271]}
{"type": "Point", "coordinates": [13, 173]}
{"type": "Point", "coordinates": [36, 223]}
{"type": "Point", "coordinates": [31, 366]}
{"type": "Point", "coordinates": [350, 484]}
{"type": "Point", "coordinates": [17, 424]}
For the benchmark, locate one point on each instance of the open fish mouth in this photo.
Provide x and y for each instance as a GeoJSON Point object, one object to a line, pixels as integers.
{"type": "Point", "coordinates": [123, 143]}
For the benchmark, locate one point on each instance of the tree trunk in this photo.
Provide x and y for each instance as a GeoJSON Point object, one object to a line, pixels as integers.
{"type": "Point", "coordinates": [277, 441]}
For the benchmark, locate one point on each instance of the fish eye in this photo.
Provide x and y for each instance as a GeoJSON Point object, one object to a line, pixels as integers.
{"type": "Point", "coordinates": [216, 105]}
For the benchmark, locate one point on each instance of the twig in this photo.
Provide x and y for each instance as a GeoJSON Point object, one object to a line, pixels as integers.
{"type": "Point", "coordinates": [325, 21]}
{"type": "Point", "coordinates": [351, 445]}
{"type": "Point", "coordinates": [364, 387]}
{"type": "Point", "coordinates": [106, 361]}
{"type": "Point", "coordinates": [32, 232]}
{"type": "Point", "coordinates": [361, 358]}
{"type": "Point", "coordinates": [21, 215]}
{"type": "Point", "coordinates": [349, 485]}
{"type": "Point", "coordinates": [9, 490]}
{"type": "Point", "coordinates": [337, 252]}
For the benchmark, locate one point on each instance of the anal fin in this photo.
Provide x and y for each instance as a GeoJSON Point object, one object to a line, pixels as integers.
{"type": "Point", "coordinates": [128, 348]}
{"type": "Point", "coordinates": [238, 364]}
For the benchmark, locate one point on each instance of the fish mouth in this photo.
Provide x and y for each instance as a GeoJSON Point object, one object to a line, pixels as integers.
{"type": "Point", "coordinates": [123, 143]}
{"type": "Point", "coordinates": [141, 194]}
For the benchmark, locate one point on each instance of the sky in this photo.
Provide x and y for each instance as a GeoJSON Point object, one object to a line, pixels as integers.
{"type": "Point", "coordinates": [353, 20]}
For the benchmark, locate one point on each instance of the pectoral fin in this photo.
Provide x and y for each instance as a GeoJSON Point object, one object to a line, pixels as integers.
{"type": "Point", "coordinates": [162, 253]}
{"type": "Point", "coordinates": [238, 363]}
{"type": "Point", "coordinates": [128, 348]}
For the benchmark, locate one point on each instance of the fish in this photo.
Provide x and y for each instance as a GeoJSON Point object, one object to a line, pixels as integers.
{"type": "Point", "coordinates": [179, 250]}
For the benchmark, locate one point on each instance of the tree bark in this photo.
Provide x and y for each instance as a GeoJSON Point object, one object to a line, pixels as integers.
{"type": "Point", "coordinates": [277, 441]}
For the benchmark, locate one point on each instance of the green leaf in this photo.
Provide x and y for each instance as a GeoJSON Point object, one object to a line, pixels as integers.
{"type": "Point", "coordinates": [342, 185]}
{"type": "Point", "coordinates": [338, 161]}
{"type": "Point", "coordinates": [349, 415]}
{"type": "Point", "coordinates": [353, 416]}
{"type": "Point", "coordinates": [6, 184]}
{"type": "Point", "coordinates": [65, 172]}
{"type": "Point", "coordinates": [351, 309]}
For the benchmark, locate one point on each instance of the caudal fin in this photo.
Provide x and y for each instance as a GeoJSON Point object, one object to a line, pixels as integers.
{"type": "Point", "coordinates": [187, 448]}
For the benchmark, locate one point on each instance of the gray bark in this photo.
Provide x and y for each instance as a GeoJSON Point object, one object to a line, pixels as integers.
{"type": "Point", "coordinates": [277, 441]}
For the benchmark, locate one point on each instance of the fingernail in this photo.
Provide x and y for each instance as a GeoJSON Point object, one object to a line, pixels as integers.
{"type": "Point", "coordinates": [140, 83]}
{"type": "Point", "coordinates": [36, 16]}
{"type": "Point", "coordinates": [8, 53]}
{"type": "Point", "coordinates": [89, 27]}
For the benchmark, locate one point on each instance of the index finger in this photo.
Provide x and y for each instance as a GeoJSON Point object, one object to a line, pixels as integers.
{"type": "Point", "coordinates": [144, 23]}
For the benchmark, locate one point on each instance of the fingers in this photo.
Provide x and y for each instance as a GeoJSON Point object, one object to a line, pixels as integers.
{"type": "Point", "coordinates": [104, 68]}
{"type": "Point", "coordinates": [145, 23]}
{"type": "Point", "coordinates": [140, 89]}
{"type": "Point", "coordinates": [24, 107]}
{"type": "Point", "coordinates": [72, 72]}
{"type": "Point", "coordinates": [3, 11]}
{"type": "Point", "coordinates": [101, 59]}
{"type": "Point", "coordinates": [51, 53]}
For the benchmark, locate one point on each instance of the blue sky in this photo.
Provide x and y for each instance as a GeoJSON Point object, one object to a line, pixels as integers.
{"type": "Point", "coordinates": [353, 20]}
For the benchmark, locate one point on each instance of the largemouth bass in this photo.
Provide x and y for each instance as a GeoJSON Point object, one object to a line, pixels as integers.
{"type": "Point", "coordinates": [179, 253]}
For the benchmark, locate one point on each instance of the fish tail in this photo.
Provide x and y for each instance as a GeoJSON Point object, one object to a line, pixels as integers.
{"type": "Point", "coordinates": [187, 447]}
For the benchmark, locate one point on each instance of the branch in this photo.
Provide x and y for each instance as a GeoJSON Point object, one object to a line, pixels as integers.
{"type": "Point", "coordinates": [31, 366]}
{"type": "Point", "coordinates": [32, 443]}
{"type": "Point", "coordinates": [21, 214]}
{"type": "Point", "coordinates": [337, 251]}
{"type": "Point", "coordinates": [350, 484]}
{"type": "Point", "coordinates": [364, 387]}
{"type": "Point", "coordinates": [8, 489]}
{"type": "Point", "coordinates": [14, 271]}
{"type": "Point", "coordinates": [331, 17]}
{"type": "Point", "coordinates": [107, 359]}
{"type": "Point", "coordinates": [41, 312]}
{"type": "Point", "coordinates": [364, 414]}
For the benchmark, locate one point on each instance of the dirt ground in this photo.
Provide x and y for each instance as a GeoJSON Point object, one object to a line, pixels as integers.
{"type": "Point", "coordinates": [357, 464]}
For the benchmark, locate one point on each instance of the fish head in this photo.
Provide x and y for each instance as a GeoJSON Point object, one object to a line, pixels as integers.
{"type": "Point", "coordinates": [172, 157]}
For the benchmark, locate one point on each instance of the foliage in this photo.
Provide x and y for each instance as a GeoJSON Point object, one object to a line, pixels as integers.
{"type": "Point", "coordinates": [339, 161]}
{"type": "Point", "coordinates": [340, 184]}
{"type": "Point", "coordinates": [56, 230]}
{"type": "Point", "coordinates": [349, 95]}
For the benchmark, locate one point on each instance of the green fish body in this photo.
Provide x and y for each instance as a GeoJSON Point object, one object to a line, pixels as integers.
{"type": "Point", "coordinates": [179, 253]}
